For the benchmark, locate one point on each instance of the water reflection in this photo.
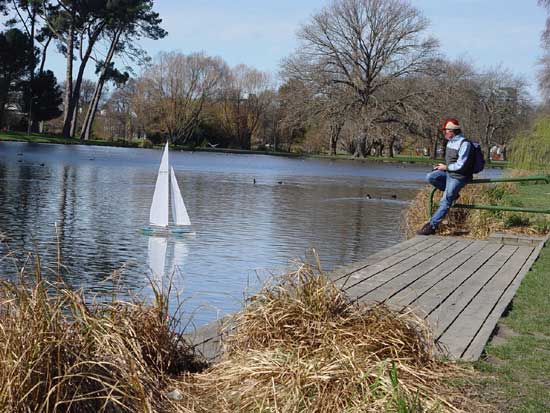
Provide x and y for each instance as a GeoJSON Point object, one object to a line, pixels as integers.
{"type": "Point", "coordinates": [163, 263]}
{"type": "Point", "coordinates": [100, 199]}
{"type": "Point", "coordinates": [156, 257]}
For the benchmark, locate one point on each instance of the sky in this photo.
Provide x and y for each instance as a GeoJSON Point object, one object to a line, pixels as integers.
{"type": "Point", "coordinates": [260, 34]}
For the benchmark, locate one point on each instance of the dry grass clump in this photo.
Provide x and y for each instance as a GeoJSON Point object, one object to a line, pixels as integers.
{"type": "Point", "coordinates": [302, 346]}
{"type": "Point", "coordinates": [58, 354]}
{"type": "Point", "coordinates": [474, 223]}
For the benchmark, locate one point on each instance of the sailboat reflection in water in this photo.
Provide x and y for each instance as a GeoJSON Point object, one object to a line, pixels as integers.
{"type": "Point", "coordinates": [157, 257]}
{"type": "Point", "coordinates": [167, 189]}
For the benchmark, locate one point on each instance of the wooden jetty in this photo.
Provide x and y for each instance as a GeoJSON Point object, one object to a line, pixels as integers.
{"type": "Point", "coordinates": [460, 286]}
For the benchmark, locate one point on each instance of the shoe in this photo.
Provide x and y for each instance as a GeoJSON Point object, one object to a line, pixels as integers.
{"type": "Point", "coordinates": [426, 229]}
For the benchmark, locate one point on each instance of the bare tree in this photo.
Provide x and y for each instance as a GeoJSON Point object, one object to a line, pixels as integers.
{"type": "Point", "coordinates": [365, 45]}
{"type": "Point", "coordinates": [503, 100]}
{"type": "Point", "coordinates": [448, 92]}
{"type": "Point", "coordinates": [294, 97]}
{"type": "Point", "coordinates": [245, 97]}
{"type": "Point", "coordinates": [305, 106]}
{"type": "Point", "coordinates": [176, 88]}
{"type": "Point", "coordinates": [119, 115]}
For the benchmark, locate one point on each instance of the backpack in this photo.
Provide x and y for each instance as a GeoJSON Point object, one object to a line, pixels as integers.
{"type": "Point", "coordinates": [478, 162]}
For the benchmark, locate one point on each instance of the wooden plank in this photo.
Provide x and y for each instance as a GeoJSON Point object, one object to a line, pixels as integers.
{"type": "Point", "coordinates": [460, 333]}
{"type": "Point", "coordinates": [421, 285]}
{"type": "Point", "coordinates": [434, 296]}
{"type": "Point", "coordinates": [344, 270]}
{"type": "Point", "coordinates": [474, 350]}
{"type": "Point", "coordinates": [388, 258]}
{"type": "Point", "coordinates": [384, 291]}
{"type": "Point", "coordinates": [360, 274]}
{"type": "Point", "coordinates": [455, 302]}
{"type": "Point", "coordinates": [367, 283]}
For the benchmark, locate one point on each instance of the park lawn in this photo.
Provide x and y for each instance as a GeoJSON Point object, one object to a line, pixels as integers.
{"type": "Point", "coordinates": [45, 138]}
{"type": "Point", "coordinates": [517, 361]}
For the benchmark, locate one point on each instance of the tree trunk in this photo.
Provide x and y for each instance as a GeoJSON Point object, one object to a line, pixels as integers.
{"type": "Point", "coordinates": [332, 145]}
{"type": "Point", "coordinates": [44, 51]}
{"type": "Point", "coordinates": [390, 148]}
{"type": "Point", "coordinates": [75, 97]}
{"type": "Point", "coordinates": [360, 147]}
{"type": "Point", "coordinates": [434, 149]}
{"type": "Point", "coordinates": [335, 129]}
{"type": "Point", "coordinates": [92, 109]}
{"type": "Point", "coordinates": [380, 149]}
{"type": "Point", "coordinates": [68, 96]}
{"type": "Point", "coordinates": [69, 126]}
{"type": "Point", "coordinates": [31, 124]}
{"type": "Point", "coordinates": [2, 104]}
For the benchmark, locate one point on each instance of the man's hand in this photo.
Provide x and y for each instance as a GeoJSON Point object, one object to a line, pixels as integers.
{"type": "Point", "coordinates": [440, 167]}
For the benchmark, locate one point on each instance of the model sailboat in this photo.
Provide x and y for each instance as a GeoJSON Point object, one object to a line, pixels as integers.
{"type": "Point", "coordinates": [166, 190]}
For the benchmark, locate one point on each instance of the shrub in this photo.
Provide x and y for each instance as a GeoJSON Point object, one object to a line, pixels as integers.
{"type": "Point", "coordinates": [145, 143]}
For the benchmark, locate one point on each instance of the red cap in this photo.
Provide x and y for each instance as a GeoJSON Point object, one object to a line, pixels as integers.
{"type": "Point", "coordinates": [450, 124]}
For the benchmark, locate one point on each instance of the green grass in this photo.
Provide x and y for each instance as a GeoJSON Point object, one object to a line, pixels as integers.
{"type": "Point", "coordinates": [45, 138]}
{"type": "Point", "coordinates": [518, 368]}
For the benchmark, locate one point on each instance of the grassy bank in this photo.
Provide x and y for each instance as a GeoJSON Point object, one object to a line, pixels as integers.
{"type": "Point", "coordinates": [517, 361]}
{"type": "Point", "coordinates": [45, 138]}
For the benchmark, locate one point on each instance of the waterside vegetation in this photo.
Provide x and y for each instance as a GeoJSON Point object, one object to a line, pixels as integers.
{"type": "Point", "coordinates": [299, 345]}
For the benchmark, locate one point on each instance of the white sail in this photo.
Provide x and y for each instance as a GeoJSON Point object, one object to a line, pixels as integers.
{"type": "Point", "coordinates": [159, 207]}
{"type": "Point", "coordinates": [179, 212]}
{"type": "Point", "coordinates": [157, 256]}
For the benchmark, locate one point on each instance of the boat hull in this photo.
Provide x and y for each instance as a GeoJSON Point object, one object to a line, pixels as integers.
{"type": "Point", "coordinates": [160, 231]}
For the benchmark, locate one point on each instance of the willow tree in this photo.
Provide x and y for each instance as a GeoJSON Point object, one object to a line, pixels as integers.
{"type": "Point", "coordinates": [364, 46]}
{"type": "Point", "coordinates": [531, 150]}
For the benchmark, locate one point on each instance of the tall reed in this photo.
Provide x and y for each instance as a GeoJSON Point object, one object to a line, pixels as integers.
{"type": "Point", "coordinates": [61, 354]}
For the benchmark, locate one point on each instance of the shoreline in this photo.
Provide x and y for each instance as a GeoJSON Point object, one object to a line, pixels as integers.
{"type": "Point", "coordinates": [42, 138]}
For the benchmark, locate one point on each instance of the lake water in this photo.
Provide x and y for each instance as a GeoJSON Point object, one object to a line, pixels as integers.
{"type": "Point", "coordinates": [99, 199]}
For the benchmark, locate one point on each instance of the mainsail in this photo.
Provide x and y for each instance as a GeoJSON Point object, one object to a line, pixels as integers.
{"type": "Point", "coordinates": [159, 207]}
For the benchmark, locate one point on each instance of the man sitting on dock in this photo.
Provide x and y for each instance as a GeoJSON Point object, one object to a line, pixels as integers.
{"type": "Point", "coordinates": [450, 176]}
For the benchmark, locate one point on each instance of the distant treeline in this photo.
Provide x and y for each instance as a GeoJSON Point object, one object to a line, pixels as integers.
{"type": "Point", "coordinates": [367, 78]}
